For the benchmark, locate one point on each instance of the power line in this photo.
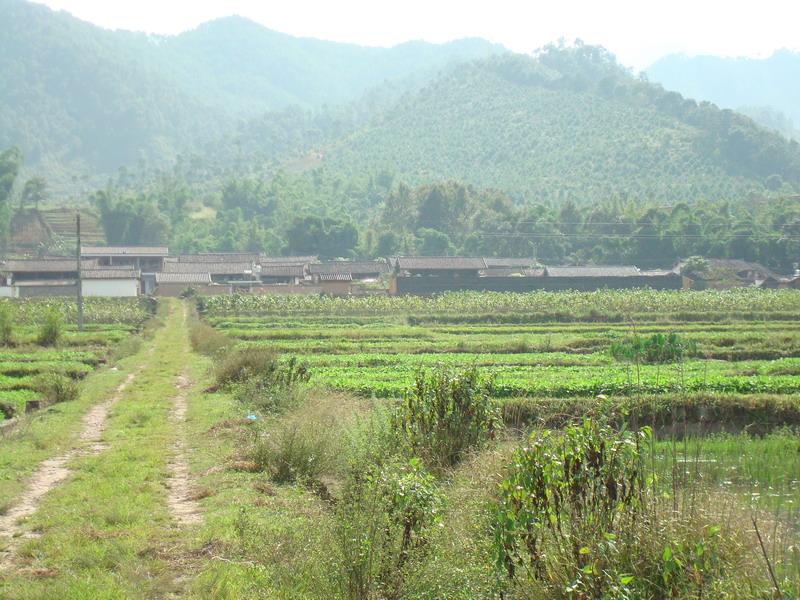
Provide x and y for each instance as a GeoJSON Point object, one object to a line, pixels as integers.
{"type": "Point", "coordinates": [629, 236]}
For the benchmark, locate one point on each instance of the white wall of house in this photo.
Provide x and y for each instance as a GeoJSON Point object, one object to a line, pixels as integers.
{"type": "Point", "coordinates": [114, 288]}
{"type": "Point", "coordinates": [8, 291]}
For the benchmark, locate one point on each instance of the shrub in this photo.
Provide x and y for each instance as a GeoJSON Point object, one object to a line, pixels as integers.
{"type": "Point", "coordinates": [52, 328]}
{"type": "Point", "coordinates": [296, 451]}
{"type": "Point", "coordinates": [7, 410]}
{"type": "Point", "coordinates": [262, 394]}
{"type": "Point", "coordinates": [577, 517]}
{"type": "Point", "coordinates": [6, 325]}
{"type": "Point", "coordinates": [382, 521]}
{"type": "Point", "coordinates": [445, 414]}
{"type": "Point", "coordinates": [56, 388]}
{"type": "Point", "coordinates": [275, 389]}
{"type": "Point", "coordinates": [242, 363]}
{"type": "Point", "coordinates": [207, 340]}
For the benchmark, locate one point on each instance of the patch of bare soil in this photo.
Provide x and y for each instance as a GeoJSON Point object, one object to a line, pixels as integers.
{"type": "Point", "coordinates": [182, 498]}
{"type": "Point", "coordinates": [53, 471]}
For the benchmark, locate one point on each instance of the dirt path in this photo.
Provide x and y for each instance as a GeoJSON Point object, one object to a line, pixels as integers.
{"type": "Point", "coordinates": [182, 500]}
{"type": "Point", "coordinates": [53, 471]}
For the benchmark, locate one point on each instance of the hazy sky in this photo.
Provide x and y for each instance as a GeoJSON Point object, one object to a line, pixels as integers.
{"type": "Point", "coordinates": [637, 31]}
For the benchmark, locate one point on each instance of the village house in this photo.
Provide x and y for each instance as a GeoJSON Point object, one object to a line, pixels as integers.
{"type": "Point", "coordinates": [432, 275]}
{"type": "Point", "coordinates": [111, 282]}
{"type": "Point", "coordinates": [593, 278]}
{"type": "Point", "coordinates": [219, 272]}
{"type": "Point", "coordinates": [281, 274]}
{"type": "Point", "coordinates": [359, 270]}
{"type": "Point", "coordinates": [42, 276]}
{"type": "Point", "coordinates": [147, 259]}
{"type": "Point", "coordinates": [219, 257]}
{"type": "Point", "coordinates": [176, 284]}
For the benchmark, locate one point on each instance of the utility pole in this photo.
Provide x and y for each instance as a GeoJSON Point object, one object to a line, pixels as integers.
{"type": "Point", "coordinates": [80, 282]}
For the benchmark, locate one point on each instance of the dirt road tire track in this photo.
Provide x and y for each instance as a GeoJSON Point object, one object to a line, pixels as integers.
{"type": "Point", "coordinates": [53, 471]}
{"type": "Point", "coordinates": [184, 508]}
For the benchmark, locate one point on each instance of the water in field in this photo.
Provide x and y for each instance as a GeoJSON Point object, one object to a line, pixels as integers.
{"type": "Point", "coordinates": [763, 471]}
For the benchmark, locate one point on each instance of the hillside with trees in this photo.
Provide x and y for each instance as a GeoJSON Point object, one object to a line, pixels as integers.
{"type": "Point", "coordinates": [420, 149]}
{"type": "Point", "coordinates": [570, 124]}
{"type": "Point", "coordinates": [75, 97]}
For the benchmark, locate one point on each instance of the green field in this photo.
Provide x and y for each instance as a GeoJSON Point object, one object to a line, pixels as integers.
{"type": "Point", "coordinates": [725, 413]}
{"type": "Point", "coordinates": [375, 346]}
{"type": "Point", "coordinates": [410, 448]}
{"type": "Point", "coordinates": [108, 323]}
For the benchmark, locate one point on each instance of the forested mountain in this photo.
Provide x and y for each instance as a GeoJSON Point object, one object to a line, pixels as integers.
{"type": "Point", "coordinates": [75, 94]}
{"type": "Point", "coordinates": [767, 89]}
{"type": "Point", "coordinates": [234, 137]}
{"type": "Point", "coordinates": [569, 123]}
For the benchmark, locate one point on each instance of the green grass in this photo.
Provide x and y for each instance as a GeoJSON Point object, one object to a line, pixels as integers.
{"type": "Point", "coordinates": [104, 532]}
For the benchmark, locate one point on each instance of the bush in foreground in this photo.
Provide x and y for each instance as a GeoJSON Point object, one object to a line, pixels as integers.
{"type": "Point", "coordinates": [245, 363]}
{"type": "Point", "coordinates": [383, 518]}
{"type": "Point", "coordinates": [56, 388]}
{"type": "Point", "coordinates": [6, 325]}
{"type": "Point", "coordinates": [207, 340]}
{"type": "Point", "coordinates": [576, 517]}
{"type": "Point", "coordinates": [445, 414]}
{"type": "Point", "coordinates": [52, 328]}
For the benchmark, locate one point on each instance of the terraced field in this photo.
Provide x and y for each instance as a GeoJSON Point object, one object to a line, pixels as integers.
{"type": "Point", "coordinates": [548, 355]}
{"type": "Point", "coordinates": [743, 343]}
{"type": "Point", "coordinates": [25, 363]}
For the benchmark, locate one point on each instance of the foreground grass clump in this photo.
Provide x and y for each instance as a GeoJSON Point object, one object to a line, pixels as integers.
{"type": "Point", "coordinates": [55, 388]}
{"type": "Point", "coordinates": [52, 328]}
{"type": "Point", "coordinates": [383, 519]}
{"type": "Point", "coordinates": [445, 414]}
{"type": "Point", "coordinates": [243, 364]}
{"type": "Point", "coordinates": [6, 325]}
{"type": "Point", "coordinates": [207, 340]}
{"type": "Point", "coordinates": [579, 516]}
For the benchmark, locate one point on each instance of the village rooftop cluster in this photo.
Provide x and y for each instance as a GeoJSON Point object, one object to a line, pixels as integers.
{"type": "Point", "coordinates": [128, 271]}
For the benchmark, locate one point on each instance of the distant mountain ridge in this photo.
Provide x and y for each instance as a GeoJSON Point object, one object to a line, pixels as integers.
{"type": "Point", "coordinates": [73, 93]}
{"type": "Point", "coordinates": [232, 98]}
{"type": "Point", "coordinates": [737, 83]}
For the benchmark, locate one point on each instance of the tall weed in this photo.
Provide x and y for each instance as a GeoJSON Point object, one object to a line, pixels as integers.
{"type": "Point", "coordinates": [51, 330]}
{"type": "Point", "coordinates": [445, 414]}
{"type": "Point", "coordinates": [6, 325]}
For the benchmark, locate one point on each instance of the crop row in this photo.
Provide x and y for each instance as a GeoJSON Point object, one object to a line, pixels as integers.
{"type": "Point", "coordinates": [788, 366]}
{"type": "Point", "coordinates": [714, 346]}
{"type": "Point", "coordinates": [108, 311]}
{"type": "Point", "coordinates": [268, 327]}
{"type": "Point", "coordinates": [622, 302]}
{"type": "Point", "coordinates": [395, 380]}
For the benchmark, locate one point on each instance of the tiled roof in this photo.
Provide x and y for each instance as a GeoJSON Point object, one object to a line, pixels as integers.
{"type": "Point", "coordinates": [110, 274]}
{"type": "Point", "coordinates": [287, 260]}
{"type": "Point", "coordinates": [512, 272]}
{"type": "Point", "coordinates": [143, 251]}
{"type": "Point", "coordinates": [594, 271]}
{"type": "Point", "coordinates": [219, 257]}
{"type": "Point", "coordinates": [440, 263]}
{"type": "Point", "coordinates": [350, 266]}
{"type": "Point", "coordinates": [493, 262]}
{"type": "Point", "coordinates": [336, 277]}
{"type": "Point", "coordinates": [183, 278]}
{"type": "Point", "coordinates": [281, 271]}
{"type": "Point", "coordinates": [212, 268]}
{"type": "Point", "coordinates": [45, 265]}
